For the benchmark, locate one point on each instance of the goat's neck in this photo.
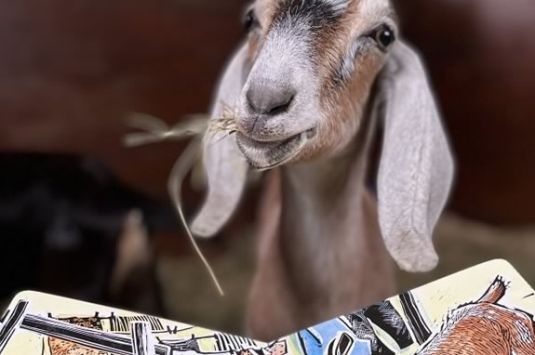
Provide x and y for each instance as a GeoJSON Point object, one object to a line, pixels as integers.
{"type": "Point", "coordinates": [329, 237]}
{"type": "Point", "coordinates": [322, 188]}
{"type": "Point", "coordinates": [321, 253]}
{"type": "Point", "coordinates": [328, 223]}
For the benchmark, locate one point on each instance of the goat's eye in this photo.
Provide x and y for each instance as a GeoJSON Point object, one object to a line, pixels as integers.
{"type": "Point", "coordinates": [250, 21]}
{"type": "Point", "coordinates": [384, 36]}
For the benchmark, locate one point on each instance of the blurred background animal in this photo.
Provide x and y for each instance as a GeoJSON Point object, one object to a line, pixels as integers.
{"type": "Point", "coordinates": [69, 228]}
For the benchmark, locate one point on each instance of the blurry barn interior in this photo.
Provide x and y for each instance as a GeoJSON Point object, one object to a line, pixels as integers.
{"type": "Point", "coordinates": [85, 217]}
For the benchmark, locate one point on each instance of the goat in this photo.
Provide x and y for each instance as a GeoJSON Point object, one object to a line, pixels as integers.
{"type": "Point", "coordinates": [307, 89]}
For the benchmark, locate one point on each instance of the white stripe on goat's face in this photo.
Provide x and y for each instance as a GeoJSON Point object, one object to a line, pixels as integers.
{"type": "Point", "coordinates": [312, 66]}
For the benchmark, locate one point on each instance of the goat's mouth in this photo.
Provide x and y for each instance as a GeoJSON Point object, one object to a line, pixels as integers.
{"type": "Point", "coordinates": [269, 155]}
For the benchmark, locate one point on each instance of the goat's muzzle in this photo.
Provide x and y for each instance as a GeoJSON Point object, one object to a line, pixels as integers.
{"type": "Point", "coordinates": [265, 155]}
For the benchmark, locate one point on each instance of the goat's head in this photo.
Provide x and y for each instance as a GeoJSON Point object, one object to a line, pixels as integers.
{"type": "Point", "coordinates": [312, 66]}
{"type": "Point", "coordinates": [299, 89]}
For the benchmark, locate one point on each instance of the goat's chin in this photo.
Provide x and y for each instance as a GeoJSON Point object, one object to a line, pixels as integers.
{"type": "Point", "coordinates": [269, 155]}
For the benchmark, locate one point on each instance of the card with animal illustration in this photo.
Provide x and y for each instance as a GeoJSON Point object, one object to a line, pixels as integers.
{"type": "Point", "coordinates": [484, 310]}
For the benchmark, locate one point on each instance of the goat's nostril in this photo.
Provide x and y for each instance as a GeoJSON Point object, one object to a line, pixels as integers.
{"type": "Point", "coordinates": [281, 107]}
{"type": "Point", "coordinates": [269, 101]}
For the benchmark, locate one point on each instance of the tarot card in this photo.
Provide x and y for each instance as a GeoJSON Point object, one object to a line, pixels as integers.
{"type": "Point", "coordinates": [486, 310]}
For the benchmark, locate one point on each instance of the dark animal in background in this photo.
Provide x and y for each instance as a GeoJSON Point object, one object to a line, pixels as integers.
{"type": "Point", "coordinates": [69, 227]}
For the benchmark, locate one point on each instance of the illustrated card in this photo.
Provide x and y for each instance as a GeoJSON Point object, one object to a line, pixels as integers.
{"type": "Point", "coordinates": [486, 310]}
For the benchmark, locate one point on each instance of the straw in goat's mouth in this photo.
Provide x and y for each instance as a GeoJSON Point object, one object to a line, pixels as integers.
{"type": "Point", "coordinates": [224, 124]}
{"type": "Point", "coordinates": [154, 130]}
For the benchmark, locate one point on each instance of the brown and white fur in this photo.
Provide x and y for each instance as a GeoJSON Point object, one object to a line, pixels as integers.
{"type": "Point", "coordinates": [307, 89]}
{"type": "Point", "coordinates": [484, 327]}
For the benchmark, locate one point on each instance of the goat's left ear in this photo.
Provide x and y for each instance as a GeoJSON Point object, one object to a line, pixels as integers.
{"type": "Point", "coordinates": [416, 168]}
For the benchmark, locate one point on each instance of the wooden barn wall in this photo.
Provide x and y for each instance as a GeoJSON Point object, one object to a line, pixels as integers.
{"type": "Point", "coordinates": [71, 70]}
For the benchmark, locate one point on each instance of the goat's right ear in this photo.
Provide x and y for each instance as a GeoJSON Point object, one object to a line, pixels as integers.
{"type": "Point", "coordinates": [226, 168]}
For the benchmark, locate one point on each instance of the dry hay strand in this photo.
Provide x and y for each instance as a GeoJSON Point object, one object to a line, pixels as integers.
{"type": "Point", "coordinates": [225, 124]}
